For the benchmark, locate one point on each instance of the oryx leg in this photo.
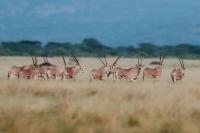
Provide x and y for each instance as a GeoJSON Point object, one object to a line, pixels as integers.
{"type": "Point", "coordinates": [47, 75]}
{"type": "Point", "coordinates": [143, 77]}
{"type": "Point", "coordinates": [91, 77]}
{"type": "Point", "coordinates": [8, 75]}
{"type": "Point", "coordinates": [156, 78]}
{"type": "Point", "coordinates": [114, 76]}
{"type": "Point", "coordinates": [117, 76]}
{"type": "Point", "coordinates": [173, 79]}
{"type": "Point", "coordinates": [62, 76]}
{"type": "Point", "coordinates": [133, 79]}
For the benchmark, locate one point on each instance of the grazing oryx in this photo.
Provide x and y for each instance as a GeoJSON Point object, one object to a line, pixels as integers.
{"type": "Point", "coordinates": [100, 73]}
{"type": "Point", "coordinates": [72, 71]}
{"type": "Point", "coordinates": [131, 73]}
{"type": "Point", "coordinates": [154, 72]}
{"type": "Point", "coordinates": [14, 71]}
{"type": "Point", "coordinates": [154, 63]}
{"type": "Point", "coordinates": [178, 73]}
{"type": "Point", "coordinates": [105, 70]}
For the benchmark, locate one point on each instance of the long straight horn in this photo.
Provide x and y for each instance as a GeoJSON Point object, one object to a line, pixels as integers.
{"type": "Point", "coordinates": [75, 59]}
{"type": "Point", "coordinates": [64, 61]}
{"type": "Point", "coordinates": [35, 60]}
{"type": "Point", "coordinates": [138, 60]}
{"type": "Point", "coordinates": [115, 62]}
{"type": "Point", "coordinates": [47, 60]}
{"type": "Point", "coordinates": [141, 61]}
{"type": "Point", "coordinates": [163, 58]}
{"type": "Point", "coordinates": [44, 60]}
{"type": "Point", "coordinates": [180, 62]}
{"type": "Point", "coordinates": [106, 63]}
{"type": "Point", "coordinates": [102, 61]}
{"type": "Point", "coordinates": [183, 63]}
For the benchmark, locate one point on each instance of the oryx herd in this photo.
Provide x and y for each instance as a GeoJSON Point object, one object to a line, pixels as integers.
{"type": "Point", "coordinates": [47, 70]}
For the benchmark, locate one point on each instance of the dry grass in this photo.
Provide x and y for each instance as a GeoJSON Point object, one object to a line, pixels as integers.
{"type": "Point", "coordinates": [100, 107]}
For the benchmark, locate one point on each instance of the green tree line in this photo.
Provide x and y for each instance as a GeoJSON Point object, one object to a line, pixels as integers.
{"type": "Point", "coordinates": [90, 47]}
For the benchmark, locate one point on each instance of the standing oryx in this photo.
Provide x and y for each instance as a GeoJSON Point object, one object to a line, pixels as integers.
{"type": "Point", "coordinates": [14, 71]}
{"type": "Point", "coordinates": [100, 73]}
{"type": "Point", "coordinates": [131, 73]}
{"type": "Point", "coordinates": [33, 72]}
{"type": "Point", "coordinates": [178, 73]}
{"type": "Point", "coordinates": [72, 71]}
{"type": "Point", "coordinates": [103, 71]}
{"type": "Point", "coordinates": [154, 72]}
{"type": "Point", "coordinates": [43, 67]}
{"type": "Point", "coordinates": [56, 72]}
{"type": "Point", "coordinates": [30, 73]}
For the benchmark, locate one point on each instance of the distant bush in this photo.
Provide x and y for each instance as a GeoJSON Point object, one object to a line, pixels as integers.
{"type": "Point", "coordinates": [90, 47]}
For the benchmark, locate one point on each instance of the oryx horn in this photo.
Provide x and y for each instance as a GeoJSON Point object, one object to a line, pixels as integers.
{"type": "Point", "coordinates": [64, 61]}
{"type": "Point", "coordinates": [101, 61]}
{"type": "Point", "coordinates": [115, 62]}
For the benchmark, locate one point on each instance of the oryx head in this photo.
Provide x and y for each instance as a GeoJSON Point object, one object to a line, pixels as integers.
{"type": "Point", "coordinates": [182, 65]}
{"type": "Point", "coordinates": [139, 65]}
{"type": "Point", "coordinates": [113, 66]}
{"type": "Point", "coordinates": [161, 62]}
{"type": "Point", "coordinates": [108, 69]}
{"type": "Point", "coordinates": [78, 66]}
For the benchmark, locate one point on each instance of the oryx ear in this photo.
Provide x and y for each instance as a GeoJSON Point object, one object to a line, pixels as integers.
{"type": "Point", "coordinates": [113, 67]}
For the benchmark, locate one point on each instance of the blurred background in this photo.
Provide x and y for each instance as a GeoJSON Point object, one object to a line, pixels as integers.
{"type": "Point", "coordinates": [128, 27]}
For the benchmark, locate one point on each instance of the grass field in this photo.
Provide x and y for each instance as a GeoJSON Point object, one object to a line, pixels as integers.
{"type": "Point", "coordinates": [100, 107]}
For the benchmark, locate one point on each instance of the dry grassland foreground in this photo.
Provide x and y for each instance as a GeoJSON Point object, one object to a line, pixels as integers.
{"type": "Point", "coordinates": [81, 106]}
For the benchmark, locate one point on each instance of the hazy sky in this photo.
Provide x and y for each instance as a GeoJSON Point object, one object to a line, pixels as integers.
{"type": "Point", "coordinates": [115, 22]}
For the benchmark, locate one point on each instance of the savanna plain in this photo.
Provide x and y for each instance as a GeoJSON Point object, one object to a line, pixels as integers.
{"type": "Point", "coordinates": [81, 106]}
